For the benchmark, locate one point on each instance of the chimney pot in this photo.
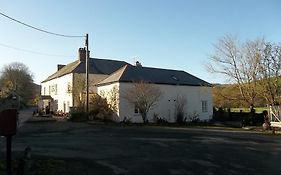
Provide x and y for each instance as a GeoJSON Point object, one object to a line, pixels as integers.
{"type": "Point", "coordinates": [138, 64]}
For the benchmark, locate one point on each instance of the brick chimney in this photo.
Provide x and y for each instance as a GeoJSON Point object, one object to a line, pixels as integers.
{"type": "Point", "coordinates": [82, 54]}
{"type": "Point", "coordinates": [138, 64]}
{"type": "Point", "coordinates": [60, 66]}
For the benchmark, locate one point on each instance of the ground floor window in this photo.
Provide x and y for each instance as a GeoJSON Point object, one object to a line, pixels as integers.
{"type": "Point", "coordinates": [137, 110]}
{"type": "Point", "coordinates": [204, 106]}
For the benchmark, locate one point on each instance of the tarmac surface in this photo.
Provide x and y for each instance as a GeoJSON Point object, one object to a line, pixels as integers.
{"type": "Point", "coordinates": [112, 149]}
{"type": "Point", "coordinates": [24, 115]}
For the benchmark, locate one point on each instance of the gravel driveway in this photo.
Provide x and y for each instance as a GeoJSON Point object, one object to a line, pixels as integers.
{"type": "Point", "coordinates": [152, 150]}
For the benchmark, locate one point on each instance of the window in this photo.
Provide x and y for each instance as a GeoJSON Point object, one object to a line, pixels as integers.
{"type": "Point", "coordinates": [137, 110]}
{"type": "Point", "coordinates": [53, 89]}
{"type": "Point", "coordinates": [69, 88]}
{"type": "Point", "coordinates": [44, 91]}
{"type": "Point", "coordinates": [49, 90]}
{"type": "Point", "coordinates": [56, 89]}
{"type": "Point", "coordinates": [56, 105]}
{"type": "Point", "coordinates": [204, 106]}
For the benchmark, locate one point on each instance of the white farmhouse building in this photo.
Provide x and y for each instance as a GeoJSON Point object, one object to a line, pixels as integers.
{"type": "Point", "coordinates": [106, 75]}
{"type": "Point", "coordinates": [59, 85]}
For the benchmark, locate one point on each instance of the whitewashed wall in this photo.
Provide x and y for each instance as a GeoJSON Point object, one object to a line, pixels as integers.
{"type": "Point", "coordinates": [93, 79]}
{"type": "Point", "coordinates": [105, 92]}
{"type": "Point", "coordinates": [61, 95]}
{"type": "Point", "coordinates": [165, 107]}
{"type": "Point", "coordinates": [194, 96]}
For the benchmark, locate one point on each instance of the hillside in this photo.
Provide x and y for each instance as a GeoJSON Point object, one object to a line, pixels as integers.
{"type": "Point", "coordinates": [228, 96]}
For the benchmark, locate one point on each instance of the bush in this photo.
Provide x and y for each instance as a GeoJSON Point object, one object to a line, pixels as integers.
{"type": "Point", "coordinates": [219, 114]}
{"type": "Point", "coordinates": [194, 118]}
{"type": "Point", "coordinates": [161, 121]}
{"type": "Point", "coordinates": [158, 119]}
{"type": "Point", "coordinates": [99, 108]}
{"type": "Point", "coordinates": [126, 120]}
{"type": "Point", "coordinates": [78, 116]}
{"type": "Point", "coordinates": [246, 118]}
{"type": "Point", "coordinates": [252, 119]}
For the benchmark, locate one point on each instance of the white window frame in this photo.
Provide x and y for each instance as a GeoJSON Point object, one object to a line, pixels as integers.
{"type": "Point", "coordinates": [204, 104]}
{"type": "Point", "coordinates": [49, 90]}
{"type": "Point", "coordinates": [69, 88]}
{"type": "Point", "coordinates": [56, 89]}
{"type": "Point", "coordinates": [136, 110]}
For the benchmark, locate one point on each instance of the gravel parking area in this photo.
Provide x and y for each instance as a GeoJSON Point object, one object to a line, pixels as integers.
{"type": "Point", "coordinates": [111, 149]}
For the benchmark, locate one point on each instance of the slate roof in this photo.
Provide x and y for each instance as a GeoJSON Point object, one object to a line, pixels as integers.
{"type": "Point", "coordinates": [130, 73]}
{"type": "Point", "coordinates": [96, 66]}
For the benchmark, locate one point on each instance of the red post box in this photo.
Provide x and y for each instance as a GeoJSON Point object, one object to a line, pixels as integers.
{"type": "Point", "coordinates": [8, 122]}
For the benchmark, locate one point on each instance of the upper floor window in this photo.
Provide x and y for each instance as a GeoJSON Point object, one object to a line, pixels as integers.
{"type": "Point", "coordinates": [49, 90]}
{"type": "Point", "coordinates": [204, 106]}
{"type": "Point", "coordinates": [54, 89]}
{"type": "Point", "coordinates": [69, 88]}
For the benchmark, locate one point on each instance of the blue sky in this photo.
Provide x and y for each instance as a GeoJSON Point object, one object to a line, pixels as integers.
{"type": "Point", "coordinates": [173, 34]}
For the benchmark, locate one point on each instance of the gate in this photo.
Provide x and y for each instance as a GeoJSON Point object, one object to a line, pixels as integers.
{"type": "Point", "coordinates": [275, 116]}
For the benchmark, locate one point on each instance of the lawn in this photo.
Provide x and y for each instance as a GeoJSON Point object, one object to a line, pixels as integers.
{"type": "Point", "coordinates": [258, 109]}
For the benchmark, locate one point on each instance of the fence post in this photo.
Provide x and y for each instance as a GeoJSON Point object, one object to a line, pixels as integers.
{"type": "Point", "coordinates": [229, 115]}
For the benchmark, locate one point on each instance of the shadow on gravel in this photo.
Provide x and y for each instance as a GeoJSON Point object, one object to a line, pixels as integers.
{"type": "Point", "coordinates": [40, 165]}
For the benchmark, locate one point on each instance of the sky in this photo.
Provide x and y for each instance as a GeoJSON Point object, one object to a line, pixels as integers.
{"type": "Point", "coordinates": [170, 34]}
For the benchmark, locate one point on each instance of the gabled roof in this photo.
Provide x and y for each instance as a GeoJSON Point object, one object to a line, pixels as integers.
{"type": "Point", "coordinates": [130, 73]}
{"type": "Point", "coordinates": [96, 66]}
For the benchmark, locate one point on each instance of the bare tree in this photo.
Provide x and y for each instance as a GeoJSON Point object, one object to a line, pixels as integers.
{"type": "Point", "coordinates": [180, 104]}
{"type": "Point", "coordinates": [239, 63]}
{"type": "Point", "coordinates": [144, 96]}
{"type": "Point", "coordinates": [270, 72]}
{"type": "Point", "coordinates": [16, 79]}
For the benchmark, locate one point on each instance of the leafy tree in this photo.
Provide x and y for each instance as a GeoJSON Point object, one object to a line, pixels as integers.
{"type": "Point", "coordinates": [78, 90]}
{"type": "Point", "coordinates": [16, 79]}
{"type": "Point", "coordinates": [99, 108]}
{"type": "Point", "coordinates": [112, 97]}
{"type": "Point", "coordinates": [144, 96]}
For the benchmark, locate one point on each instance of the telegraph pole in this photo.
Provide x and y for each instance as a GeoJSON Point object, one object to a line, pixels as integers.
{"type": "Point", "coordinates": [87, 72]}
